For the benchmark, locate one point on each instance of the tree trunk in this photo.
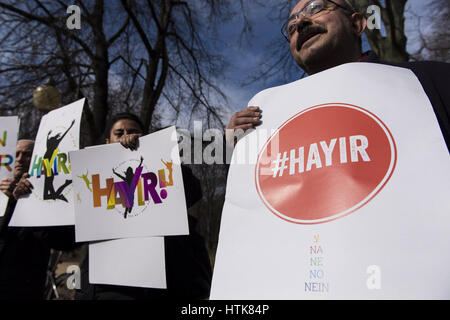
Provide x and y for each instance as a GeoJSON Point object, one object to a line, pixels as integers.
{"type": "Point", "coordinates": [101, 67]}
{"type": "Point", "coordinates": [391, 48]}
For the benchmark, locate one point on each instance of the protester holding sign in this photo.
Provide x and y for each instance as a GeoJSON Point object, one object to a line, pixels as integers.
{"type": "Point", "coordinates": [23, 157]}
{"type": "Point", "coordinates": [23, 253]}
{"type": "Point", "coordinates": [323, 34]}
{"type": "Point", "coordinates": [348, 190]}
{"type": "Point", "coordinates": [50, 171]}
{"type": "Point", "coordinates": [188, 269]}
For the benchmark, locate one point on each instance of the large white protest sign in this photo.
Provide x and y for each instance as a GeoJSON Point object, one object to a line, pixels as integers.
{"type": "Point", "coordinates": [9, 129]}
{"type": "Point", "coordinates": [120, 193]}
{"type": "Point", "coordinates": [134, 262]}
{"type": "Point", "coordinates": [51, 200]}
{"type": "Point", "coordinates": [347, 199]}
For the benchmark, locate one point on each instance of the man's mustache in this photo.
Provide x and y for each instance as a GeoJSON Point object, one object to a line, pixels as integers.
{"type": "Point", "coordinates": [306, 32]}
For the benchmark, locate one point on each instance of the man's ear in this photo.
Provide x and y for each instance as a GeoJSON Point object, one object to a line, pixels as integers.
{"type": "Point", "coordinates": [359, 23]}
{"type": "Point", "coordinates": [106, 140]}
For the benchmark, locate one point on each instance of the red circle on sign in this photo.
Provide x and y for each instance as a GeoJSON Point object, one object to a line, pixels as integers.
{"type": "Point", "coordinates": [324, 163]}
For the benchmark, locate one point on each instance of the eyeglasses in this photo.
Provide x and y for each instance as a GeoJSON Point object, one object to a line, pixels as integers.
{"type": "Point", "coordinates": [311, 8]}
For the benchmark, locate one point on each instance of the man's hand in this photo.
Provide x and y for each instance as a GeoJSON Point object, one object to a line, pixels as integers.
{"type": "Point", "coordinates": [248, 118]}
{"type": "Point", "coordinates": [130, 141]}
{"type": "Point", "coordinates": [7, 186]}
{"type": "Point", "coordinates": [23, 187]}
{"type": "Point", "coordinates": [243, 120]}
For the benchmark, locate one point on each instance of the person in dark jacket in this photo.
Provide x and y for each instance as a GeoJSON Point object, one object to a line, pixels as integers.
{"type": "Point", "coordinates": [435, 78]}
{"type": "Point", "coordinates": [188, 269]}
{"type": "Point", "coordinates": [23, 252]}
{"type": "Point", "coordinates": [323, 34]}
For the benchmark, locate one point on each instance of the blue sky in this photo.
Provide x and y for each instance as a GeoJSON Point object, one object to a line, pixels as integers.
{"type": "Point", "coordinates": [244, 60]}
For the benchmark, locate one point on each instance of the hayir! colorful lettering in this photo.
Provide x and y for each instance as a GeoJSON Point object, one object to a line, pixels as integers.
{"type": "Point", "coordinates": [137, 188]}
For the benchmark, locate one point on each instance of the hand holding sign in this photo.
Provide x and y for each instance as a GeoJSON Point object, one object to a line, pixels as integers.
{"type": "Point", "coordinates": [7, 186]}
{"type": "Point", "coordinates": [23, 187]}
{"type": "Point", "coordinates": [50, 171]}
{"type": "Point", "coordinates": [126, 194]}
{"type": "Point", "coordinates": [338, 191]}
{"type": "Point", "coordinates": [130, 141]}
{"type": "Point", "coordinates": [246, 119]}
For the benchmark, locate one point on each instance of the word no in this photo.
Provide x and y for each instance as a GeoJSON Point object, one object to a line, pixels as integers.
{"type": "Point", "coordinates": [358, 145]}
{"type": "Point", "coordinates": [316, 274]}
{"type": "Point", "coordinates": [58, 161]}
{"type": "Point", "coordinates": [123, 193]}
